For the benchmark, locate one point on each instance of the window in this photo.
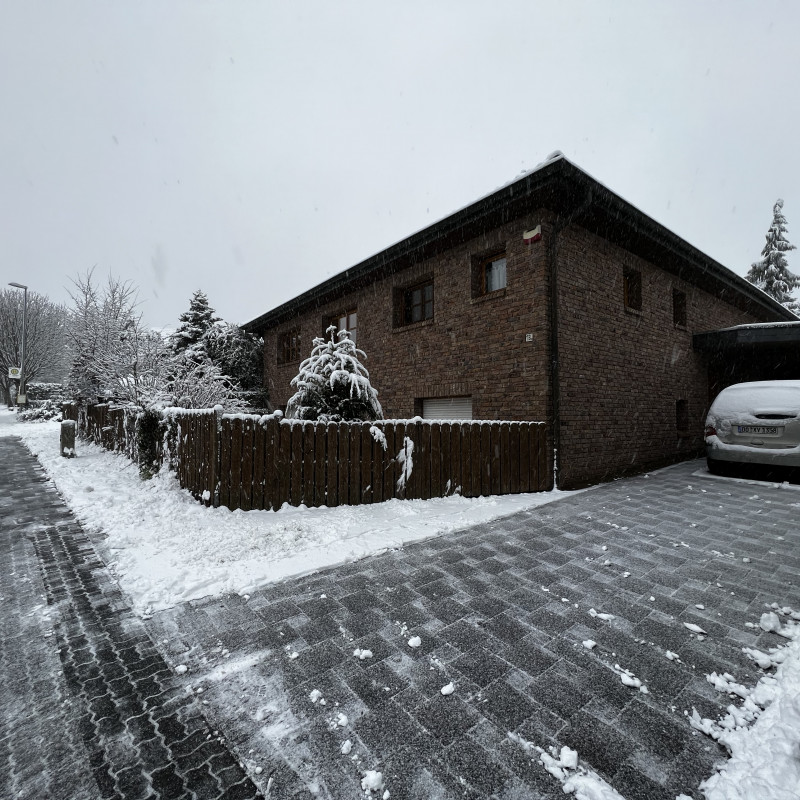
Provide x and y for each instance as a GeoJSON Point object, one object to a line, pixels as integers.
{"type": "Point", "coordinates": [681, 417]}
{"type": "Point", "coordinates": [632, 288]}
{"type": "Point", "coordinates": [679, 307]}
{"type": "Point", "coordinates": [345, 321]}
{"type": "Point", "coordinates": [418, 303]}
{"type": "Point", "coordinates": [488, 273]}
{"type": "Point", "coordinates": [289, 346]}
{"type": "Point", "coordinates": [493, 274]}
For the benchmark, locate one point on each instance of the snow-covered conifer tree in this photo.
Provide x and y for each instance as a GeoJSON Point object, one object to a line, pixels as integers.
{"type": "Point", "coordinates": [194, 324]}
{"type": "Point", "coordinates": [772, 274]}
{"type": "Point", "coordinates": [333, 385]}
{"type": "Point", "coordinates": [236, 353]}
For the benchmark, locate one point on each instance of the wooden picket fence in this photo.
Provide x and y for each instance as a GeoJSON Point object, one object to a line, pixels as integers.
{"type": "Point", "coordinates": [250, 462]}
{"type": "Point", "coordinates": [113, 427]}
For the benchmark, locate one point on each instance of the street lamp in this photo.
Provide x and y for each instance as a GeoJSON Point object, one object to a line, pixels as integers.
{"type": "Point", "coordinates": [22, 375]}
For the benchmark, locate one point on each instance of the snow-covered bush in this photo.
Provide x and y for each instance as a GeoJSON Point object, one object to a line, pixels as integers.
{"type": "Point", "coordinates": [43, 411]}
{"type": "Point", "coordinates": [333, 385]}
{"type": "Point", "coordinates": [45, 391]}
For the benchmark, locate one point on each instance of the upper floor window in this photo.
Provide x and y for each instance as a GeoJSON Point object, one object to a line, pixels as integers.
{"type": "Point", "coordinates": [418, 303]}
{"type": "Point", "coordinates": [289, 346]}
{"type": "Point", "coordinates": [632, 288]}
{"type": "Point", "coordinates": [493, 274]}
{"type": "Point", "coordinates": [346, 321]}
{"type": "Point", "coordinates": [488, 273]}
{"type": "Point", "coordinates": [679, 307]}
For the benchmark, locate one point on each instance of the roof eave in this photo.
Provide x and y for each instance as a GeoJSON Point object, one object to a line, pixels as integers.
{"type": "Point", "coordinates": [558, 186]}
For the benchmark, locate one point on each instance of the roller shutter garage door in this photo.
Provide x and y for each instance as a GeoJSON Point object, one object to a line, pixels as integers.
{"type": "Point", "coordinates": [447, 408]}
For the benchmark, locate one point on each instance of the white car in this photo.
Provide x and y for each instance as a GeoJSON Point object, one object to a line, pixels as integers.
{"type": "Point", "coordinates": [754, 423]}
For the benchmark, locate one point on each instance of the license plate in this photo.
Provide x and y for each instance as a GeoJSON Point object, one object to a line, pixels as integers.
{"type": "Point", "coordinates": [759, 430]}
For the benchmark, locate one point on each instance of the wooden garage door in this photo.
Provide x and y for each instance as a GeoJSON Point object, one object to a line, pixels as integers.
{"type": "Point", "coordinates": [447, 408]}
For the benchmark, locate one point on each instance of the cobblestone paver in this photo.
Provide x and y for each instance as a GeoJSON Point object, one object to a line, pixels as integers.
{"type": "Point", "coordinates": [501, 611]}
{"type": "Point", "coordinates": [89, 707]}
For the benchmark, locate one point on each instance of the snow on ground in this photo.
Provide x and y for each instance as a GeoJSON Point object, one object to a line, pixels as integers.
{"type": "Point", "coordinates": [764, 760]}
{"type": "Point", "coordinates": [165, 548]}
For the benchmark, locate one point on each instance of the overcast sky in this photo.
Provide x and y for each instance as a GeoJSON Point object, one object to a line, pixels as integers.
{"type": "Point", "coordinates": [253, 149]}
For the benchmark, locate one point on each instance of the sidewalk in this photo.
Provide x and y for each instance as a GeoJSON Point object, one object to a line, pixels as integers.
{"type": "Point", "coordinates": [88, 707]}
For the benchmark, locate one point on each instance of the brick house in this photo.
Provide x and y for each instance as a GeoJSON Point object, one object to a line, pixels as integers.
{"type": "Point", "coordinates": [550, 299]}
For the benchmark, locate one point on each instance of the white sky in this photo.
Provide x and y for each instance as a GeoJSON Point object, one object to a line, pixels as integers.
{"type": "Point", "coordinates": [253, 149]}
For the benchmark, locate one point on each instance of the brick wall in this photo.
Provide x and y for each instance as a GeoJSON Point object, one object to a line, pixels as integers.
{"type": "Point", "coordinates": [622, 372]}
{"type": "Point", "coordinates": [473, 346]}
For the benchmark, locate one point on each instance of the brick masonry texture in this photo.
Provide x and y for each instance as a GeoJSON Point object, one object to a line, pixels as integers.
{"type": "Point", "coordinates": [502, 611]}
{"type": "Point", "coordinates": [621, 372]}
{"type": "Point", "coordinates": [89, 707]}
{"type": "Point", "coordinates": [473, 346]}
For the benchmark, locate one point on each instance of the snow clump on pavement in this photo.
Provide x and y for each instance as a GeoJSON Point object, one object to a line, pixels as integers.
{"type": "Point", "coordinates": [563, 766]}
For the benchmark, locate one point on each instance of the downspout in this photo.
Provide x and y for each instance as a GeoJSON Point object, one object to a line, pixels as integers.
{"type": "Point", "coordinates": [559, 225]}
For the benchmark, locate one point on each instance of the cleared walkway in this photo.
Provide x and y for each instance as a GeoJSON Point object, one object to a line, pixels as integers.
{"type": "Point", "coordinates": [88, 707]}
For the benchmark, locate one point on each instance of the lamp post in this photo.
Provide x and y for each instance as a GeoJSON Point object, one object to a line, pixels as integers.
{"type": "Point", "coordinates": [22, 375]}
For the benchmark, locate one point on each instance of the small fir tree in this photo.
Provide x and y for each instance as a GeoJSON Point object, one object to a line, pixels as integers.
{"type": "Point", "coordinates": [333, 385]}
{"type": "Point", "coordinates": [772, 274]}
{"type": "Point", "coordinates": [194, 324]}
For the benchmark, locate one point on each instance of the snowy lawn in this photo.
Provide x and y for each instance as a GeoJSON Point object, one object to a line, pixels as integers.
{"type": "Point", "coordinates": [165, 548]}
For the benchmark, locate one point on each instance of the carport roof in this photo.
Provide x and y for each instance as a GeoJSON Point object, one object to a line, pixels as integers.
{"type": "Point", "coordinates": [764, 333]}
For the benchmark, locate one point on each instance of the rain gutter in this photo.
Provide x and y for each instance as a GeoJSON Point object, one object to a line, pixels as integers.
{"type": "Point", "coordinates": [555, 384]}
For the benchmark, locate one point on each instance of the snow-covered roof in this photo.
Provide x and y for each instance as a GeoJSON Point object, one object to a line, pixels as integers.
{"type": "Point", "coordinates": [763, 325]}
{"type": "Point", "coordinates": [559, 186]}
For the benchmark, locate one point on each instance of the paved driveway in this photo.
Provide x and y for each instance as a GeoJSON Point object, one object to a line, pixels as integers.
{"type": "Point", "coordinates": [501, 612]}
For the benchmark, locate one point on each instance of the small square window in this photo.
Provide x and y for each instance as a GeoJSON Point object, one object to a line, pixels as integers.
{"type": "Point", "coordinates": [679, 307]}
{"type": "Point", "coordinates": [489, 274]}
{"type": "Point", "coordinates": [345, 321]}
{"type": "Point", "coordinates": [632, 288]}
{"type": "Point", "coordinates": [289, 346]}
{"type": "Point", "coordinates": [418, 303]}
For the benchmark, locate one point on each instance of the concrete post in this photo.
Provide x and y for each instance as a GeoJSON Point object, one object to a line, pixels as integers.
{"type": "Point", "coordinates": [68, 438]}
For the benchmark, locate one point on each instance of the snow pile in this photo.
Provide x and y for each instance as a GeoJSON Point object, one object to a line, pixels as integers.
{"type": "Point", "coordinates": [629, 679]}
{"type": "Point", "coordinates": [762, 735]}
{"type": "Point", "coordinates": [373, 782]}
{"type": "Point", "coordinates": [563, 766]}
{"type": "Point", "coordinates": [165, 548]}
